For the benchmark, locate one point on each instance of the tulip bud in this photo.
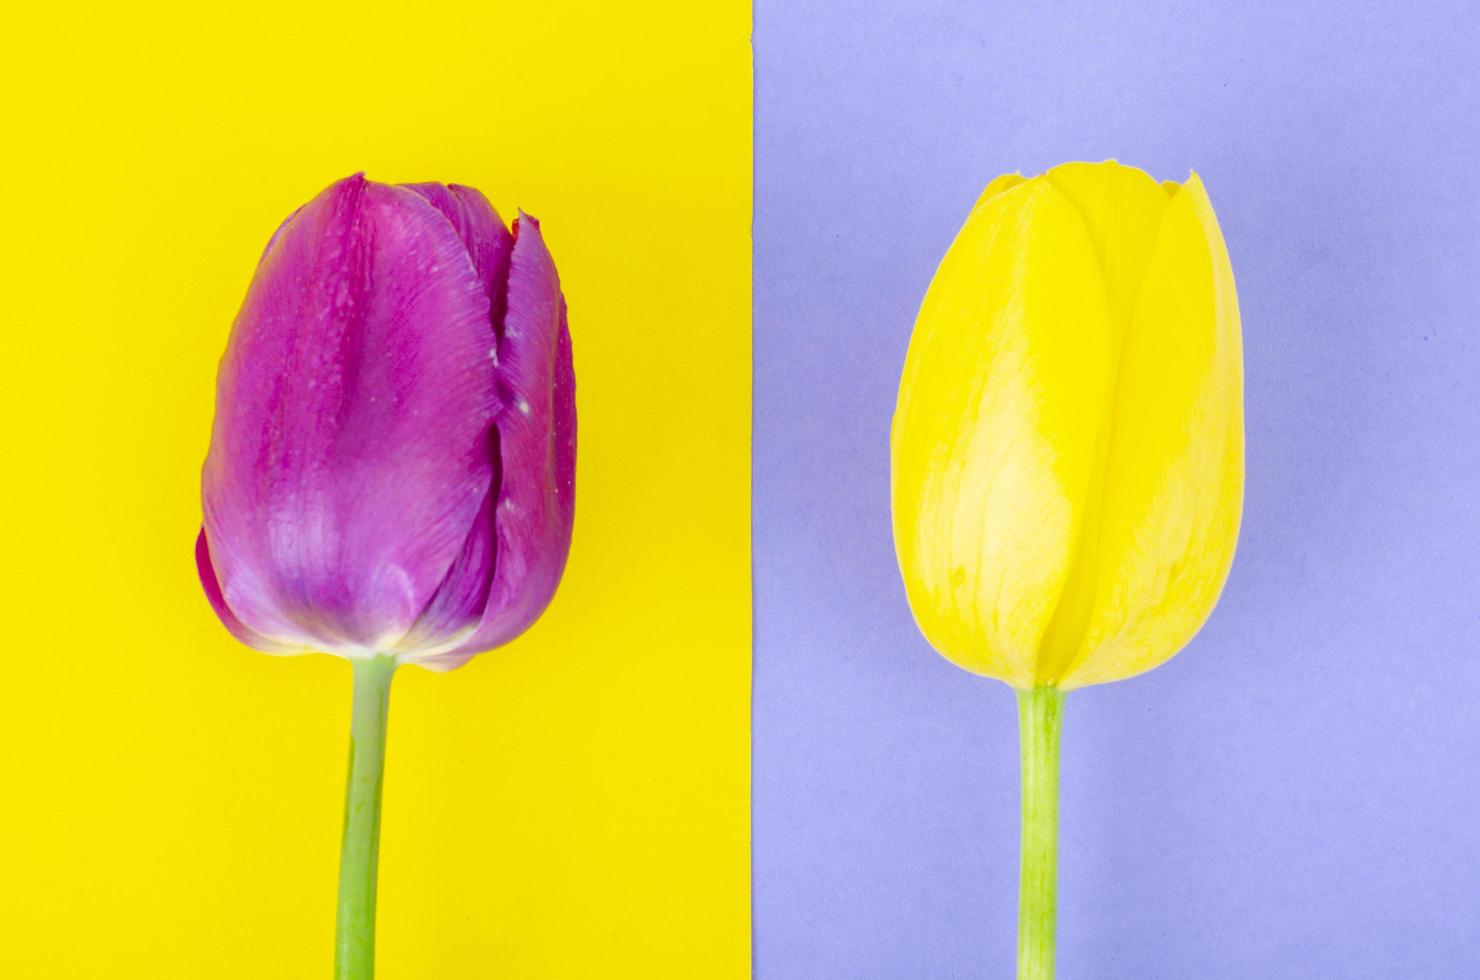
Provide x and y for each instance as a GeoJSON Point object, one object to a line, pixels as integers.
{"type": "Point", "coordinates": [1068, 443]}
{"type": "Point", "coordinates": [392, 464]}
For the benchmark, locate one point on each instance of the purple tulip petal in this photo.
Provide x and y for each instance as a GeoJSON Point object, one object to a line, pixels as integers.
{"type": "Point", "coordinates": [537, 438]}
{"type": "Point", "coordinates": [212, 587]}
{"type": "Point", "coordinates": [482, 232]}
{"type": "Point", "coordinates": [349, 457]}
{"type": "Point", "coordinates": [279, 233]}
{"type": "Point", "coordinates": [463, 594]}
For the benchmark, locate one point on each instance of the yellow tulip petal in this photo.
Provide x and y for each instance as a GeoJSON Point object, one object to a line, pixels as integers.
{"type": "Point", "coordinates": [1174, 478]}
{"type": "Point", "coordinates": [999, 184]}
{"type": "Point", "coordinates": [1122, 208]}
{"type": "Point", "coordinates": [996, 428]}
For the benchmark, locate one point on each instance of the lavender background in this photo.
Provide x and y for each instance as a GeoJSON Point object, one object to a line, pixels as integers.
{"type": "Point", "coordinates": [1298, 793]}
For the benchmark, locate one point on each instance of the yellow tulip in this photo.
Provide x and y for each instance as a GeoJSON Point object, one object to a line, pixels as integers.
{"type": "Point", "coordinates": [1068, 447]}
{"type": "Point", "coordinates": [1068, 455]}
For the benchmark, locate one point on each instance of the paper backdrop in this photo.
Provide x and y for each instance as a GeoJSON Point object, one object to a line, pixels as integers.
{"type": "Point", "coordinates": [1295, 795]}
{"type": "Point", "coordinates": [574, 805]}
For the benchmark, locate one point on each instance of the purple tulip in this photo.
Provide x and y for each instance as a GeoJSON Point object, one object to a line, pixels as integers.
{"type": "Point", "coordinates": [392, 465]}
{"type": "Point", "coordinates": [392, 468]}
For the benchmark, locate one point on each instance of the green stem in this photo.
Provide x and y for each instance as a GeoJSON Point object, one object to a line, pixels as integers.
{"type": "Point", "coordinates": [354, 942]}
{"type": "Point", "coordinates": [1040, 717]}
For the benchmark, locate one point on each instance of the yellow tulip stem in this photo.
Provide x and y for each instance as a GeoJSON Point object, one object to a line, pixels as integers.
{"type": "Point", "coordinates": [1040, 718]}
{"type": "Point", "coordinates": [354, 941]}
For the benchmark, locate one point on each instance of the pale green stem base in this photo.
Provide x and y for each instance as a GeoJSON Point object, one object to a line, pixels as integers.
{"type": "Point", "coordinates": [354, 942]}
{"type": "Point", "coordinates": [1040, 716]}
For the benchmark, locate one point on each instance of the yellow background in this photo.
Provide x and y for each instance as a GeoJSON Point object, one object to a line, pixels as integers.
{"type": "Point", "coordinates": [574, 805]}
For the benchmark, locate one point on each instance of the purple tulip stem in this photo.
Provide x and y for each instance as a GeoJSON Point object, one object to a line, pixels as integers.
{"type": "Point", "coordinates": [1040, 719]}
{"type": "Point", "coordinates": [354, 943]}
